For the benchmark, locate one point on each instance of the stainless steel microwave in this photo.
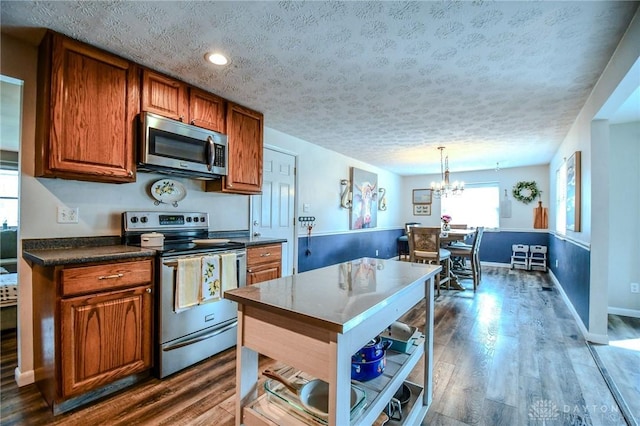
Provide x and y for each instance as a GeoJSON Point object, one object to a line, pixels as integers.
{"type": "Point", "coordinates": [172, 147]}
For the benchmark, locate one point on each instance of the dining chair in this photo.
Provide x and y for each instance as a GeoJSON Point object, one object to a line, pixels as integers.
{"type": "Point", "coordinates": [403, 240]}
{"type": "Point", "coordinates": [473, 254]}
{"type": "Point", "coordinates": [424, 247]}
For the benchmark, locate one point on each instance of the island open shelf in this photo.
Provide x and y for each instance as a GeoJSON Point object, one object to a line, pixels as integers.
{"type": "Point", "coordinates": [316, 320]}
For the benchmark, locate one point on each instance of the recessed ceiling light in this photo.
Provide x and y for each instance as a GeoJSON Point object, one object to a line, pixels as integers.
{"type": "Point", "coordinates": [216, 58]}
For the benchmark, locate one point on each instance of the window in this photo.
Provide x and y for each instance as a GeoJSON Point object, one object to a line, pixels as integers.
{"type": "Point", "coordinates": [9, 197]}
{"type": "Point", "coordinates": [479, 205]}
{"type": "Point", "coordinates": [561, 196]}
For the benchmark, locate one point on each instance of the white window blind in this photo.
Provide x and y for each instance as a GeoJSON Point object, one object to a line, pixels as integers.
{"type": "Point", "coordinates": [479, 205]}
{"type": "Point", "coordinates": [9, 197]}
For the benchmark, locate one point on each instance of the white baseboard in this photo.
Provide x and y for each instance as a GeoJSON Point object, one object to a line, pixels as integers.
{"type": "Point", "coordinates": [496, 264]}
{"type": "Point", "coordinates": [23, 379]}
{"type": "Point", "coordinates": [633, 313]}
{"type": "Point", "coordinates": [601, 339]}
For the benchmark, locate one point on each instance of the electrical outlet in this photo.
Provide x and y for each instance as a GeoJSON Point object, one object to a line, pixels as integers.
{"type": "Point", "coordinates": [556, 263]}
{"type": "Point", "coordinates": [376, 252]}
{"type": "Point", "coordinates": [635, 287]}
{"type": "Point", "coordinates": [68, 214]}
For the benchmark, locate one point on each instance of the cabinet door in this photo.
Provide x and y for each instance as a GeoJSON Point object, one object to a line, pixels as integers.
{"type": "Point", "coordinates": [164, 96]}
{"type": "Point", "coordinates": [105, 337]}
{"type": "Point", "coordinates": [264, 263]}
{"type": "Point", "coordinates": [244, 171]}
{"type": "Point", "coordinates": [263, 273]}
{"type": "Point", "coordinates": [87, 103]}
{"type": "Point", "coordinates": [206, 110]}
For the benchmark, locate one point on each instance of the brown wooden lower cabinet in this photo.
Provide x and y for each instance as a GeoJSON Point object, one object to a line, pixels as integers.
{"type": "Point", "coordinates": [264, 263]}
{"type": "Point", "coordinates": [92, 328]}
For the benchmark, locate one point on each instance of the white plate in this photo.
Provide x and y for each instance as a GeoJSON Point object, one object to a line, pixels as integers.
{"type": "Point", "coordinates": [211, 241]}
{"type": "Point", "coordinates": [168, 191]}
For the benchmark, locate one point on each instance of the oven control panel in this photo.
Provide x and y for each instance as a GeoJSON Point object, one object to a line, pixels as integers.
{"type": "Point", "coordinates": [164, 220]}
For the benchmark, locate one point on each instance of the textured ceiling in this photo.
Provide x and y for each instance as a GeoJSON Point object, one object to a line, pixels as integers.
{"type": "Point", "coordinates": [383, 82]}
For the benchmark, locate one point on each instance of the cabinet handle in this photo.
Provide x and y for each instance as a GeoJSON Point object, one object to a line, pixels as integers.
{"type": "Point", "coordinates": [265, 254]}
{"type": "Point", "coordinates": [181, 118]}
{"type": "Point", "coordinates": [130, 173]}
{"type": "Point", "coordinates": [193, 122]}
{"type": "Point", "coordinates": [250, 271]}
{"type": "Point", "coordinates": [110, 277]}
{"type": "Point", "coordinates": [149, 290]}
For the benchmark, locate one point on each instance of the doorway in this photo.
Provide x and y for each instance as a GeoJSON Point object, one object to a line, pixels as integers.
{"type": "Point", "coordinates": [10, 116]}
{"type": "Point", "coordinates": [273, 212]}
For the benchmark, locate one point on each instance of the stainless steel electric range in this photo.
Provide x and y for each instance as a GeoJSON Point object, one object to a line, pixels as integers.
{"type": "Point", "coordinates": [185, 337]}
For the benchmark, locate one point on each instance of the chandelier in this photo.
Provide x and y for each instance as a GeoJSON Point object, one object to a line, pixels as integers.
{"type": "Point", "coordinates": [445, 188]}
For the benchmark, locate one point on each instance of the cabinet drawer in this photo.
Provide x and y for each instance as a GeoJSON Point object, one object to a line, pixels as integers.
{"type": "Point", "coordinates": [87, 279]}
{"type": "Point", "coordinates": [264, 254]}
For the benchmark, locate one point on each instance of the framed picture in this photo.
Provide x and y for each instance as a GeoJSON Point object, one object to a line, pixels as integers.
{"type": "Point", "coordinates": [422, 209]}
{"type": "Point", "coordinates": [421, 196]}
{"type": "Point", "coordinates": [573, 192]}
{"type": "Point", "coordinates": [364, 191]}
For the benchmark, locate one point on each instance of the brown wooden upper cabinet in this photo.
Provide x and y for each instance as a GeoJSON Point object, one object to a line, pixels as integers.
{"type": "Point", "coordinates": [87, 103]}
{"type": "Point", "coordinates": [174, 99]}
{"type": "Point", "coordinates": [245, 141]}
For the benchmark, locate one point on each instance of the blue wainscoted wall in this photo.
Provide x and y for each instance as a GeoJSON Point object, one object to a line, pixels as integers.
{"type": "Point", "coordinates": [496, 246]}
{"type": "Point", "coordinates": [331, 249]}
{"type": "Point", "coordinates": [573, 273]}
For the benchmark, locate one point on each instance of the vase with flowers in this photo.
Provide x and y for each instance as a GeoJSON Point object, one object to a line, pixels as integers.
{"type": "Point", "coordinates": [445, 222]}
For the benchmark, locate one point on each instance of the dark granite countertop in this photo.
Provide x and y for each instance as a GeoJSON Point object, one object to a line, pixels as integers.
{"type": "Point", "coordinates": [245, 238]}
{"type": "Point", "coordinates": [65, 251]}
{"type": "Point", "coordinates": [259, 241]}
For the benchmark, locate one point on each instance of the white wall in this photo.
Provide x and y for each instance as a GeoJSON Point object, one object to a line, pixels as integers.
{"type": "Point", "coordinates": [624, 205]}
{"type": "Point", "coordinates": [521, 214]}
{"type": "Point", "coordinates": [319, 174]}
{"type": "Point", "coordinates": [590, 134]}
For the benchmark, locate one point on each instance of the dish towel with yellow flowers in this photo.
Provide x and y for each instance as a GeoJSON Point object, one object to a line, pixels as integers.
{"type": "Point", "coordinates": [229, 274]}
{"type": "Point", "coordinates": [211, 288]}
{"type": "Point", "coordinates": [187, 283]}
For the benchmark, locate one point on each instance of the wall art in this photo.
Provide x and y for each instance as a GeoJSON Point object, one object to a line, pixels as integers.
{"type": "Point", "coordinates": [422, 209]}
{"type": "Point", "coordinates": [364, 190]}
{"type": "Point", "coordinates": [573, 195]}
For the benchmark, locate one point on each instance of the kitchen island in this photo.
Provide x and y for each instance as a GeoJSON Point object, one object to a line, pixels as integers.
{"type": "Point", "coordinates": [316, 320]}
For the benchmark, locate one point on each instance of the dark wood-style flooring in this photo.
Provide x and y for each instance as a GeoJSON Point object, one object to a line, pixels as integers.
{"type": "Point", "coordinates": [509, 354]}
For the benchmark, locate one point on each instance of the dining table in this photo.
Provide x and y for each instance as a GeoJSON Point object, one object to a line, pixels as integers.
{"type": "Point", "coordinates": [451, 236]}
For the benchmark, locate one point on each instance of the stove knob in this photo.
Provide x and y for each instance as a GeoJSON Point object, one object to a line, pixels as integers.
{"type": "Point", "coordinates": [134, 219]}
{"type": "Point", "coordinates": [202, 219]}
{"type": "Point", "coordinates": [143, 219]}
{"type": "Point", "coordinates": [188, 219]}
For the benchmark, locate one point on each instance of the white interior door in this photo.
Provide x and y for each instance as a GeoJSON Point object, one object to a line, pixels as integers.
{"type": "Point", "coordinates": [273, 212]}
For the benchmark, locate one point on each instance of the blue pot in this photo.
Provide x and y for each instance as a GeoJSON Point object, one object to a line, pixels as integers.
{"type": "Point", "coordinates": [367, 370]}
{"type": "Point", "coordinates": [372, 350]}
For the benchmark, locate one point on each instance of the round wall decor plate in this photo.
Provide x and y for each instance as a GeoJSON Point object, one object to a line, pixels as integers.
{"type": "Point", "coordinates": [168, 191]}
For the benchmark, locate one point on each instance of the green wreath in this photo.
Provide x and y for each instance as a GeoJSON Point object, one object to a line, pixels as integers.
{"type": "Point", "coordinates": [525, 192]}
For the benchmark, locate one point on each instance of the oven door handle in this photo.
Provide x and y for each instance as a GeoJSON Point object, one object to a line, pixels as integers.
{"type": "Point", "coordinates": [174, 263]}
{"type": "Point", "coordinates": [200, 338]}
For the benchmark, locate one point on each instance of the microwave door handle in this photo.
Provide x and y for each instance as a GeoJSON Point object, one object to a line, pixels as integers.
{"type": "Point", "coordinates": [211, 153]}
